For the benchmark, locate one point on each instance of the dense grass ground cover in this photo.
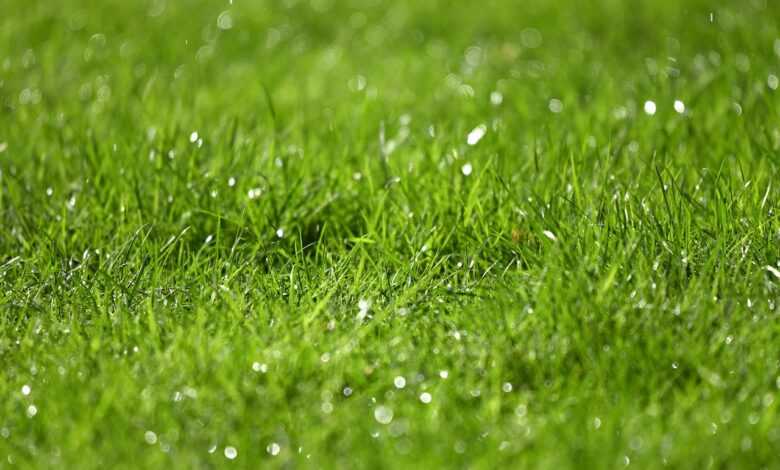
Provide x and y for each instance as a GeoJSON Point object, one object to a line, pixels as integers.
{"type": "Point", "coordinates": [339, 234]}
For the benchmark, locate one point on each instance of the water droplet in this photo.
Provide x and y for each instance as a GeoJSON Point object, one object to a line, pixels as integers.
{"type": "Point", "coordinates": [550, 235]}
{"type": "Point", "coordinates": [476, 134]}
{"type": "Point", "coordinates": [26, 390]}
{"type": "Point", "coordinates": [555, 105]}
{"type": "Point", "coordinates": [650, 108]}
{"type": "Point", "coordinates": [225, 21]}
{"type": "Point", "coordinates": [399, 382]}
{"type": "Point", "coordinates": [259, 367]}
{"type": "Point", "coordinates": [364, 306]}
{"type": "Point", "coordinates": [383, 414]}
{"type": "Point", "coordinates": [496, 98]}
{"type": "Point", "coordinates": [531, 38]}
{"type": "Point", "coordinates": [426, 397]}
{"type": "Point", "coordinates": [466, 169]}
{"type": "Point", "coordinates": [772, 82]}
{"type": "Point", "coordinates": [444, 374]}
{"type": "Point", "coordinates": [273, 449]}
{"type": "Point", "coordinates": [231, 452]}
{"type": "Point", "coordinates": [679, 106]}
{"type": "Point", "coordinates": [507, 387]}
{"type": "Point", "coordinates": [32, 410]}
{"type": "Point", "coordinates": [194, 137]}
{"type": "Point", "coordinates": [357, 83]}
{"type": "Point", "coordinates": [231, 181]}
{"type": "Point", "coordinates": [280, 232]}
{"type": "Point", "coordinates": [150, 437]}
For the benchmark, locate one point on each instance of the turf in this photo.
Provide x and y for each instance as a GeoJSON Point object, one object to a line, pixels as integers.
{"type": "Point", "coordinates": [410, 234]}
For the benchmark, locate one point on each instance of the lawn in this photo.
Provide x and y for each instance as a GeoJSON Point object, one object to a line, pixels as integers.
{"type": "Point", "coordinates": [374, 234]}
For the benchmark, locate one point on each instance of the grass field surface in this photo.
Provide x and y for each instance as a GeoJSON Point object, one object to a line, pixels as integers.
{"type": "Point", "coordinates": [374, 234]}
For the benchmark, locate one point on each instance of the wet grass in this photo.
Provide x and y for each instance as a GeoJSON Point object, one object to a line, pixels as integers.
{"type": "Point", "coordinates": [338, 234]}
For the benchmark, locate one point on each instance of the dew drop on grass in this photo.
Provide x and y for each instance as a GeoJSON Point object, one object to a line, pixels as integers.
{"type": "Point", "coordinates": [466, 169]}
{"type": "Point", "coordinates": [231, 452]}
{"type": "Point", "coordinates": [364, 306]}
{"type": "Point", "coordinates": [194, 137]}
{"type": "Point", "coordinates": [32, 410]}
{"type": "Point", "coordinates": [555, 105]}
{"type": "Point", "coordinates": [231, 181]}
{"type": "Point", "coordinates": [280, 232]}
{"type": "Point", "coordinates": [550, 235]}
{"type": "Point", "coordinates": [496, 98]}
{"type": "Point", "coordinates": [399, 382]}
{"type": "Point", "coordinates": [679, 106]}
{"type": "Point", "coordinates": [650, 108]}
{"type": "Point", "coordinates": [383, 414]}
{"type": "Point", "coordinates": [507, 387]}
{"type": "Point", "coordinates": [772, 82]}
{"type": "Point", "coordinates": [357, 83]}
{"type": "Point", "coordinates": [225, 21]}
{"type": "Point", "coordinates": [150, 437]}
{"type": "Point", "coordinates": [531, 38]}
{"type": "Point", "coordinates": [444, 374]}
{"type": "Point", "coordinates": [425, 397]}
{"type": "Point", "coordinates": [26, 390]}
{"type": "Point", "coordinates": [476, 134]}
{"type": "Point", "coordinates": [273, 449]}
{"type": "Point", "coordinates": [259, 367]}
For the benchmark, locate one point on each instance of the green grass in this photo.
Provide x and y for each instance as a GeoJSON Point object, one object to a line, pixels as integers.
{"type": "Point", "coordinates": [600, 290]}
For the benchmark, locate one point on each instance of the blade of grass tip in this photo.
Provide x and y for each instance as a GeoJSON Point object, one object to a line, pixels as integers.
{"type": "Point", "coordinates": [473, 197]}
{"type": "Point", "coordinates": [575, 181]}
{"type": "Point", "coordinates": [271, 108]}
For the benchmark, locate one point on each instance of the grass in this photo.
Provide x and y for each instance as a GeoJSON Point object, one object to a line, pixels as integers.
{"type": "Point", "coordinates": [260, 231]}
